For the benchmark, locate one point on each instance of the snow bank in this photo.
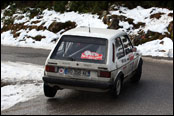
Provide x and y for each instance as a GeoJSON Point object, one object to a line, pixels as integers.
{"type": "Point", "coordinates": [163, 48]}
{"type": "Point", "coordinates": [17, 72]}
{"type": "Point", "coordinates": [22, 41]}
{"type": "Point", "coordinates": [13, 94]}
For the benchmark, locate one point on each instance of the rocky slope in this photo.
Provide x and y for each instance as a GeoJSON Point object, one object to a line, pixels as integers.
{"type": "Point", "coordinates": [38, 28]}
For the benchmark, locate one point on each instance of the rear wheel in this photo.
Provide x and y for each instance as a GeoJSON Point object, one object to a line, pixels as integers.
{"type": "Point", "coordinates": [117, 87]}
{"type": "Point", "coordinates": [49, 91]}
{"type": "Point", "coordinates": [137, 76]}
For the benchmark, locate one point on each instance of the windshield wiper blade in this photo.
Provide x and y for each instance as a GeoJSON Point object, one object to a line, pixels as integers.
{"type": "Point", "coordinates": [70, 58]}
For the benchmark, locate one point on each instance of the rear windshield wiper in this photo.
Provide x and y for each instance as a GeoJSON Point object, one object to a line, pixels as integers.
{"type": "Point", "coordinates": [69, 58]}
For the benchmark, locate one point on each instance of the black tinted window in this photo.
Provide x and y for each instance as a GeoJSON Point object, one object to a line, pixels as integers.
{"type": "Point", "coordinates": [78, 48]}
{"type": "Point", "coordinates": [119, 48]}
{"type": "Point", "coordinates": [127, 45]}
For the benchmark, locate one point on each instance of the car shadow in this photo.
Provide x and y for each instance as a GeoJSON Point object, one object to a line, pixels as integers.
{"type": "Point", "coordinates": [97, 101]}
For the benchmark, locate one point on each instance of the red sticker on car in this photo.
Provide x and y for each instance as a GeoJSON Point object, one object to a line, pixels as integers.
{"type": "Point", "coordinates": [91, 55]}
{"type": "Point", "coordinates": [61, 70]}
{"type": "Point", "coordinates": [131, 57]}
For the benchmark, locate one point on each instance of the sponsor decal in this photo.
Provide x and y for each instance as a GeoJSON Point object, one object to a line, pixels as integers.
{"type": "Point", "coordinates": [123, 60]}
{"type": "Point", "coordinates": [124, 67]}
{"type": "Point", "coordinates": [61, 70]}
{"type": "Point", "coordinates": [131, 57]}
{"type": "Point", "coordinates": [91, 55]}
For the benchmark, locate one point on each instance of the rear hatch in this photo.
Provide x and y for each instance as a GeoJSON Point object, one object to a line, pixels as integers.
{"type": "Point", "coordinates": [79, 56]}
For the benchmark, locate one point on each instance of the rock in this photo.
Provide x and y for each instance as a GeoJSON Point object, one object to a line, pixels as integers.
{"type": "Point", "coordinates": [105, 20]}
{"type": "Point", "coordinates": [152, 10]}
{"type": "Point", "coordinates": [170, 29]}
{"type": "Point", "coordinates": [15, 35]}
{"type": "Point", "coordinates": [57, 26]}
{"type": "Point", "coordinates": [38, 37]}
{"type": "Point", "coordinates": [114, 24]}
{"type": "Point", "coordinates": [170, 14]}
{"type": "Point", "coordinates": [162, 51]}
{"type": "Point", "coordinates": [136, 26]}
{"type": "Point", "coordinates": [35, 22]}
{"type": "Point", "coordinates": [39, 17]}
{"type": "Point", "coordinates": [157, 15]}
{"type": "Point", "coordinates": [162, 42]}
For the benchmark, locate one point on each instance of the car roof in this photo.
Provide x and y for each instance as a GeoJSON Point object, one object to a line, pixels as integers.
{"type": "Point", "coordinates": [94, 32]}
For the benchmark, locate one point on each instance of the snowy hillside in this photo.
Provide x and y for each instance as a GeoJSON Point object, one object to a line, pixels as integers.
{"type": "Point", "coordinates": [43, 30]}
{"type": "Point", "coordinates": [142, 15]}
{"type": "Point", "coordinates": [162, 48]}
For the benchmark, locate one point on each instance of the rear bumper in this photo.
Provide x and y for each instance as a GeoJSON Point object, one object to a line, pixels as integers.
{"type": "Point", "coordinates": [77, 83]}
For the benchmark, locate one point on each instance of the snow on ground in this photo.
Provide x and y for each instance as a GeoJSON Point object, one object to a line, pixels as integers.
{"type": "Point", "coordinates": [18, 72]}
{"type": "Point", "coordinates": [162, 48]}
{"type": "Point", "coordinates": [13, 94]}
{"type": "Point", "coordinates": [140, 14]}
{"type": "Point", "coordinates": [8, 39]}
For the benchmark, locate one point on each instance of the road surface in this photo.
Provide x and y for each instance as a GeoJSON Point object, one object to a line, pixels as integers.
{"type": "Point", "coordinates": [153, 95]}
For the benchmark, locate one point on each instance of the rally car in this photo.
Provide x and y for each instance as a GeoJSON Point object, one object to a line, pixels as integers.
{"type": "Point", "coordinates": [92, 59]}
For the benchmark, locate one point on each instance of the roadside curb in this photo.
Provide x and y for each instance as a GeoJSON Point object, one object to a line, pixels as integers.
{"type": "Point", "coordinates": [158, 59]}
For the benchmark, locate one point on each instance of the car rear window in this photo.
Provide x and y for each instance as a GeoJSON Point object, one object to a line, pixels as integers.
{"type": "Point", "coordinates": [80, 48]}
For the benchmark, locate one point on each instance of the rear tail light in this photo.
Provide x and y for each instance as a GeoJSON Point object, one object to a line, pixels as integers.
{"type": "Point", "coordinates": [104, 74]}
{"type": "Point", "coordinates": [50, 68]}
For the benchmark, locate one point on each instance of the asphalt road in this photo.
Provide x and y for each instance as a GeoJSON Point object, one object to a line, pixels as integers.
{"type": "Point", "coordinates": [21, 54]}
{"type": "Point", "coordinates": [153, 95]}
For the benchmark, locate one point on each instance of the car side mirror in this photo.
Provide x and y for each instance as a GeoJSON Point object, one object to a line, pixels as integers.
{"type": "Point", "coordinates": [134, 49]}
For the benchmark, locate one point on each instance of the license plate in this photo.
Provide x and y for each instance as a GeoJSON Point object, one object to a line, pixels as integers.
{"type": "Point", "coordinates": [77, 72]}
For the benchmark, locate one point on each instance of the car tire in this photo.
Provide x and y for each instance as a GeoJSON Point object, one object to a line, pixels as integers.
{"type": "Point", "coordinates": [137, 75]}
{"type": "Point", "coordinates": [116, 90]}
{"type": "Point", "coordinates": [49, 91]}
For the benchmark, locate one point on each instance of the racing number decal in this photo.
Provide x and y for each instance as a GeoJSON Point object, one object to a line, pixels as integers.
{"type": "Point", "coordinates": [91, 55]}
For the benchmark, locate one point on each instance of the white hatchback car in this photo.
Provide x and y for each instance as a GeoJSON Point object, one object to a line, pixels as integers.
{"type": "Point", "coordinates": [92, 60]}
